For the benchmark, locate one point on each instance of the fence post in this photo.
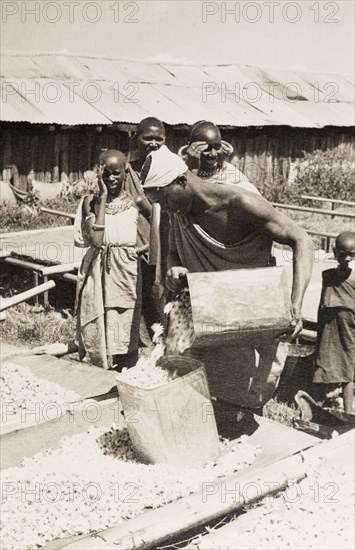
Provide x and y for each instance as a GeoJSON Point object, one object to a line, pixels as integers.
{"type": "Point", "coordinates": [327, 246]}
{"type": "Point", "coordinates": [45, 294]}
{"type": "Point", "coordinates": [35, 282]}
{"type": "Point", "coordinates": [332, 207]}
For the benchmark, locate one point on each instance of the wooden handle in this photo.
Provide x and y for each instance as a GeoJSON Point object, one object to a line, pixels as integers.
{"type": "Point", "coordinates": [5, 303]}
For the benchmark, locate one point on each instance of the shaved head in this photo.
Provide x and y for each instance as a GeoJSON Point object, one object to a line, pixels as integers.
{"type": "Point", "coordinates": [344, 250]}
{"type": "Point", "coordinates": [113, 160]}
{"type": "Point", "coordinates": [147, 123]}
{"type": "Point", "coordinates": [345, 240]}
{"type": "Point", "coordinates": [114, 171]}
{"type": "Point", "coordinates": [205, 131]}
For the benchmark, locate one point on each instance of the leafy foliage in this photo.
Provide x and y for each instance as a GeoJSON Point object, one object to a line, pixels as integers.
{"type": "Point", "coordinates": [327, 174]}
{"type": "Point", "coordinates": [279, 191]}
{"type": "Point", "coordinates": [27, 215]}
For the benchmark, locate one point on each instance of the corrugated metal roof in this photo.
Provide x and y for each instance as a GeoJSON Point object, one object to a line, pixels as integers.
{"type": "Point", "coordinates": [72, 90]}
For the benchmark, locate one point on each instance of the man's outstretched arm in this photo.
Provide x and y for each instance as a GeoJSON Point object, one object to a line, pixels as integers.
{"type": "Point", "coordinates": [258, 212]}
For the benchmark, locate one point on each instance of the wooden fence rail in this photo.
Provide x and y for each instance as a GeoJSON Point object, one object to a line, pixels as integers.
{"type": "Point", "coordinates": [5, 303]}
{"type": "Point", "coordinates": [58, 213]}
{"type": "Point", "coordinates": [332, 201]}
{"type": "Point", "coordinates": [332, 213]}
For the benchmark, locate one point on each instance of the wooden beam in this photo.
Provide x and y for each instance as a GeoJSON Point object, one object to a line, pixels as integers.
{"type": "Point", "coordinates": [60, 268]}
{"type": "Point", "coordinates": [314, 210]}
{"type": "Point", "coordinates": [69, 277]}
{"type": "Point", "coordinates": [5, 303]}
{"type": "Point", "coordinates": [335, 201]}
{"type": "Point", "coordinates": [45, 293]}
{"type": "Point", "coordinates": [39, 268]}
{"type": "Point", "coordinates": [25, 264]}
{"type": "Point", "coordinates": [321, 233]}
{"type": "Point", "coordinates": [58, 213]}
{"type": "Point", "coordinates": [35, 277]}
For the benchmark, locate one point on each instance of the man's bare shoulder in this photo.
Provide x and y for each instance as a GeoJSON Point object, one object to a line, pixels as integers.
{"type": "Point", "coordinates": [253, 207]}
{"type": "Point", "coordinates": [232, 196]}
{"type": "Point", "coordinates": [247, 200]}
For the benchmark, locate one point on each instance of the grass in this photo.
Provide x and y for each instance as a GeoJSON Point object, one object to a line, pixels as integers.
{"type": "Point", "coordinates": [31, 324]}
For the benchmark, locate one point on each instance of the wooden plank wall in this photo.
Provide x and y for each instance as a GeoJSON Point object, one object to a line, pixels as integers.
{"type": "Point", "coordinates": [265, 154]}
{"type": "Point", "coordinates": [51, 156]}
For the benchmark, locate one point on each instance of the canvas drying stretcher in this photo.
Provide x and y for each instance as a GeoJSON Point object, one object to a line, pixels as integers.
{"type": "Point", "coordinates": [241, 306]}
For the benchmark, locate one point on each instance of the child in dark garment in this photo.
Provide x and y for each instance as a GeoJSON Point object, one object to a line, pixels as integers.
{"type": "Point", "coordinates": [336, 324]}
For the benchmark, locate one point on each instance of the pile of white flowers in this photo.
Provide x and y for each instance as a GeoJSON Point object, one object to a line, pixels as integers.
{"type": "Point", "coordinates": [146, 373]}
{"type": "Point", "coordinates": [92, 482]}
{"type": "Point", "coordinates": [146, 376]}
{"type": "Point", "coordinates": [20, 390]}
{"type": "Point", "coordinates": [316, 513]}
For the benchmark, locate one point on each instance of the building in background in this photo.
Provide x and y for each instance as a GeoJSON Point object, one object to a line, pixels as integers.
{"type": "Point", "coordinates": [58, 111]}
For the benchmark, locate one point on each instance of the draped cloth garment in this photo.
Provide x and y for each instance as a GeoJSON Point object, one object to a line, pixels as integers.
{"type": "Point", "coordinates": [336, 328]}
{"type": "Point", "coordinates": [151, 233]}
{"type": "Point", "coordinates": [199, 252]}
{"type": "Point", "coordinates": [132, 185]}
{"type": "Point", "coordinates": [243, 375]}
{"type": "Point", "coordinates": [108, 298]}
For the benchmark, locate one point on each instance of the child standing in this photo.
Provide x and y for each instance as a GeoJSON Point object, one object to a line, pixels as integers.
{"type": "Point", "coordinates": [108, 291]}
{"type": "Point", "coordinates": [336, 323]}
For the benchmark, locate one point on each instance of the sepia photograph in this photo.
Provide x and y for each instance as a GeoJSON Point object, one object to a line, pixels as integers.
{"type": "Point", "coordinates": [177, 283]}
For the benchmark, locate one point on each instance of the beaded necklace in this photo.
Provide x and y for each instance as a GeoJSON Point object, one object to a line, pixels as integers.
{"type": "Point", "coordinates": [119, 204]}
{"type": "Point", "coordinates": [208, 174]}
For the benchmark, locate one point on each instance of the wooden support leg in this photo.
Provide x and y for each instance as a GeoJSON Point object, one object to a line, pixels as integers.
{"type": "Point", "coordinates": [332, 207]}
{"type": "Point", "coordinates": [45, 294]}
{"type": "Point", "coordinates": [35, 282]}
{"type": "Point", "coordinates": [327, 248]}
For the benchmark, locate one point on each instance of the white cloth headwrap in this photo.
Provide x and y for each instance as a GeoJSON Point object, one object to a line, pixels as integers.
{"type": "Point", "coordinates": [164, 169]}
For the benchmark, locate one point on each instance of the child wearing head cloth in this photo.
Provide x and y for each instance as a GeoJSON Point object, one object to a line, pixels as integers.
{"type": "Point", "coordinates": [336, 324]}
